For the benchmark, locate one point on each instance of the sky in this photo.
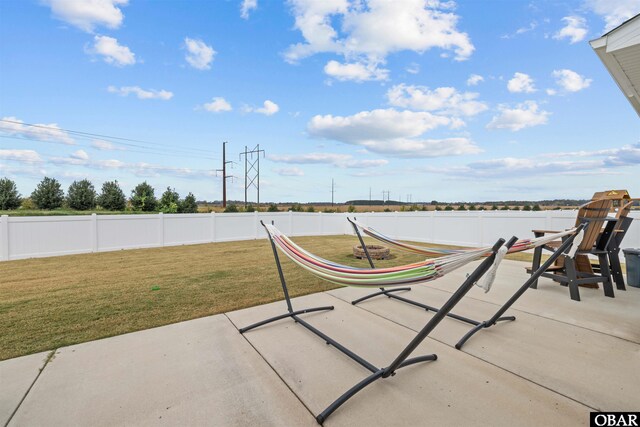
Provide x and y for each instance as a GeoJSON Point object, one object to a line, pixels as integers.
{"type": "Point", "coordinates": [424, 99]}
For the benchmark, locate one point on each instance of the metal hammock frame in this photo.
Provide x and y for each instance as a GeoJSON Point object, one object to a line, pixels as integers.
{"type": "Point", "coordinates": [403, 359]}
{"type": "Point", "coordinates": [477, 325]}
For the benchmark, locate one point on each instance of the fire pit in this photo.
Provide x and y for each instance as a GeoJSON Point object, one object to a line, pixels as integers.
{"type": "Point", "coordinates": [375, 252]}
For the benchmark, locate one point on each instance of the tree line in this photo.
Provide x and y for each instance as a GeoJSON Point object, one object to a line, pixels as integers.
{"type": "Point", "coordinates": [82, 196]}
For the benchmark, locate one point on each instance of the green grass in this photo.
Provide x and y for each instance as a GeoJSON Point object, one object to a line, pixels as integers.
{"type": "Point", "coordinates": [47, 303]}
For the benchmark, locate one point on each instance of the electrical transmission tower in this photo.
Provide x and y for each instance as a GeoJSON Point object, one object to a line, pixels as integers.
{"type": "Point", "coordinates": [251, 170]}
{"type": "Point", "coordinates": [387, 193]}
{"type": "Point", "coordinates": [333, 190]}
{"type": "Point", "coordinates": [224, 174]}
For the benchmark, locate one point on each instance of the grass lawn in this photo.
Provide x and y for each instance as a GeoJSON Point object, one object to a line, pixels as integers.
{"type": "Point", "coordinates": [46, 303]}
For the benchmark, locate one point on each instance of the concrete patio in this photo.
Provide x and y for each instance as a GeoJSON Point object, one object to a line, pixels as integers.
{"type": "Point", "coordinates": [557, 362]}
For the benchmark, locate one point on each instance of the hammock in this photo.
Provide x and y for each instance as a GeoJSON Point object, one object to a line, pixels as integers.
{"type": "Point", "coordinates": [344, 275]}
{"type": "Point", "coordinates": [519, 246]}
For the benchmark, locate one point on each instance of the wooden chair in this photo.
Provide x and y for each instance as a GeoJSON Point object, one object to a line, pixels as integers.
{"type": "Point", "coordinates": [622, 224]}
{"type": "Point", "coordinates": [578, 271]}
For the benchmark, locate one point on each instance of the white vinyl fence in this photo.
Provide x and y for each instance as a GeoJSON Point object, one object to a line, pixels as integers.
{"type": "Point", "coordinates": [29, 237]}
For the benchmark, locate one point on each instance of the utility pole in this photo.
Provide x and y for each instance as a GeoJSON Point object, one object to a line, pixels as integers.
{"type": "Point", "coordinates": [252, 171]}
{"type": "Point", "coordinates": [369, 195]}
{"type": "Point", "coordinates": [332, 190]}
{"type": "Point", "coordinates": [387, 192]}
{"type": "Point", "coordinates": [224, 174]}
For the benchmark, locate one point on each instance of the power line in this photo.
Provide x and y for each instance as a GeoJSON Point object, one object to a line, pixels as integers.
{"type": "Point", "coordinates": [127, 150]}
{"type": "Point", "coordinates": [96, 135]}
{"type": "Point", "coordinates": [252, 167]}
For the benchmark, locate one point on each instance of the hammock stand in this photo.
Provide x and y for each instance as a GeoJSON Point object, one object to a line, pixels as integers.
{"type": "Point", "coordinates": [477, 325]}
{"type": "Point", "coordinates": [402, 359]}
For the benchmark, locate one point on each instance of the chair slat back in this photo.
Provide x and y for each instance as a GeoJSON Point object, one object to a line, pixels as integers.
{"type": "Point", "coordinates": [595, 213]}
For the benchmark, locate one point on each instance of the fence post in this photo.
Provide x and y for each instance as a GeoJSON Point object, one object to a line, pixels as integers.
{"type": "Point", "coordinates": [256, 224]}
{"type": "Point", "coordinates": [213, 226]}
{"type": "Point", "coordinates": [94, 232]}
{"type": "Point", "coordinates": [161, 229]}
{"type": "Point", "coordinates": [4, 238]}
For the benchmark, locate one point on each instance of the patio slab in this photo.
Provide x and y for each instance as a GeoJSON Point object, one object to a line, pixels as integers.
{"type": "Point", "coordinates": [16, 376]}
{"type": "Point", "coordinates": [457, 389]}
{"type": "Point", "coordinates": [590, 367]}
{"type": "Point", "coordinates": [201, 372]}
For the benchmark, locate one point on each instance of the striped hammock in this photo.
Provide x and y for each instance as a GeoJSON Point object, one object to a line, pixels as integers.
{"type": "Point", "coordinates": [410, 274]}
{"type": "Point", "coordinates": [519, 246]}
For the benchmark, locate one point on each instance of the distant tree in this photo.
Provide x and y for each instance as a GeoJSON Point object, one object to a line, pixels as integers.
{"type": "Point", "coordinates": [310, 208]}
{"type": "Point", "coordinates": [526, 208]}
{"type": "Point", "coordinates": [434, 202]}
{"type": "Point", "coordinates": [448, 208]}
{"type": "Point", "coordinates": [143, 198]}
{"type": "Point", "coordinates": [472, 208]}
{"type": "Point", "coordinates": [231, 208]}
{"type": "Point", "coordinates": [112, 197]}
{"type": "Point", "coordinates": [504, 208]}
{"type": "Point", "coordinates": [188, 205]}
{"type": "Point", "coordinates": [81, 195]}
{"type": "Point", "coordinates": [481, 208]}
{"type": "Point", "coordinates": [296, 207]}
{"type": "Point", "coordinates": [537, 208]}
{"type": "Point", "coordinates": [516, 208]}
{"type": "Point", "coordinates": [461, 208]}
{"type": "Point", "coordinates": [27, 204]}
{"type": "Point", "coordinates": [170, 201]}
{"type": "Point", "coordinates": [9, 196]}
{"type": "Point", "coordinates": [423, 208]}
{"type": "Point", "coordinates": [48, 194]}
{"type": "Point", "coordinates": [273, 208]}
{"type": "Point", "coordinates": [494, 207]}
{"type": "Point", "coordinates": [250, 208]}
{"type": "Point", "coordinates": [352, 208]}
{"type": "Point", "coordinates": [438, 208]}
{"type": "Point", "coordinates": [414, 207]}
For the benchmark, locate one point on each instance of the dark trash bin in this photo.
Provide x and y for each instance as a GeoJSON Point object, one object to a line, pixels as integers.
{"type": "Point", "coordinates": [632, 259]}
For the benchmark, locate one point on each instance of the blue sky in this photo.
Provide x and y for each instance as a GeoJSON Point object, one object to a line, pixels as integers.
{"type": "Point", "coordinates": [447, 100]}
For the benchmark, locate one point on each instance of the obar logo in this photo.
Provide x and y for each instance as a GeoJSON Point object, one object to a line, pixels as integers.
{"type": "Point", "coordinates": [617, 419]}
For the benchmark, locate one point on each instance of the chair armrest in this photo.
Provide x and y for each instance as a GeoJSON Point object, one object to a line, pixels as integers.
{"type": "Point", "coordinates": [545, 231]}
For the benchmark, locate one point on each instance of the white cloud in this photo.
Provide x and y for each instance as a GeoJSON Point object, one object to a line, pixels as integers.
{"type": "Point", "coordinates": [522, 116]}
{"type": "Point", "coordinates": [357, 71]}
{"type": "Point", "coordinates": [164, 95]}
{"type": "Point", "coordinates": [339, 160]}
{"type": "Point", "coordinates": [413, 68]}
{"type": "Point", "coordinates": [269, 108]}
{"type": "Point", "coordinates": [551, 92]}
{"type": "Point", "coordinates": [101, 145]}
{"type": "Point", "coordinates": [42, 132]}
{"type": "Point", "coordinates": [217, 105]}
{"type": "Point", "coordinates": [247, 6]}
{"type": "Point", "coordinates": [571, 81]}
{"type": "Point", "coordinates": [26, 156]}
{"type": "Point", "coordinates": [474, 79]}
{"type": "Point", "coordinates": [289, 171]}
{"type": "Point", "coordinates": [112, 52]}
{"type": "Point", "coordinates": [521, 83]}
{"type": "Point", "coordinates": [392, 132]}
{"type": "Point", "coordinates": [371, 29]}
{"type": "Point", "coordinates": [446, 100]}
{"type": "Point", "coordinates": [88, 14]}
{"type": "Point", "coordinates": [80, 155]}
{"type": "Point", "coordinates": [199, 54]}
{"type": "Point", "coordinates": [575, 29]}
{"type": "Point", "coordinates": [614, 12]}
{"type": "Point", "coordinates": [522, 30]}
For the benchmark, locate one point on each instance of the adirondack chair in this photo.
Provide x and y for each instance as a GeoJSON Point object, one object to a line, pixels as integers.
{"type": "Point", "coordinates": [613, 248]}
{"type": "Point", "coordinates": [578, 271]}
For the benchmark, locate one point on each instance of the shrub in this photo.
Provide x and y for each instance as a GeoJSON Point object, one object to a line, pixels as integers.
{"type": "Point", "coordinates": [231, 208]}
{"type": "Point", "coordinates": [27, 204]}
{"type": "Point", "coordinates": [504, 208]}
{"type": "Point", "coordinates": [494, 207]}
{"type": "Point", "coordinates": [448, 208]}
{"type": "Point", "coordinates": [81, 195]}
{"type": "Point", "coordinates": [526, 208]}
{"type": "Point", "coordinates": [296, 207]}
{"type": "Point", "coordinates": [48, 194]}
{"type": "Point", "coordinates": [112, 197]}
{"type": "Point", "coordinates": [310, 208]}
{"type": "Point", "coordinates": [170, 201]}
{"type": "Point", "coordinates": [249, 208]}
{"type": "Point", "coordinates": [273, 208]}
{"type": "Point", "coordinates": [143, 198]}
{"type": "Point", "coordinates": [387, 210]}
{"type": "Point", "coordinates": [189, 204]}
{"type": "Point", "coordinates": [537, 208]}
{"type": "Point", "coordinates": [438, 208]}
{"type": "Point", "coordinates": [351, 209]}
{"type": "Point", "coordinates": [472, 208]}
{"type": "Point", "coordinates": [9, 196]}
{"type": "Point", "coordinates": [461, 208]}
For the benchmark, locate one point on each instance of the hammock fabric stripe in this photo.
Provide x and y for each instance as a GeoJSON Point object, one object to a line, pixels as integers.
{"type": "Point", "coordinates": [344, 275]}
{"type": "Point", "coordinates": [519, 246]}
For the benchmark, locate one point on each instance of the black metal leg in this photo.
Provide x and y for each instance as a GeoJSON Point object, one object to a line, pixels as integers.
{"type": "Point", "coordinates": [284, 316]}
{"type": "Point", "coordinates": [572, 277]}
{"type": "Point", "coordinates": [382, 291]}
{"type": "Point", "coordinates": [537, 257]}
